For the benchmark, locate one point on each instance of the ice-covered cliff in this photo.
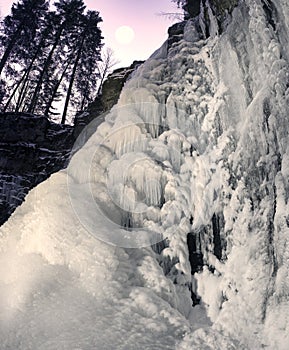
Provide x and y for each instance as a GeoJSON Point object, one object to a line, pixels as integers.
{"type": "Point", "coordinates": [187, 174]}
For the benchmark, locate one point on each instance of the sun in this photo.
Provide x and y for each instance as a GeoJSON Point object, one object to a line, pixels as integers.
{"type": "Point", "coordinates": [124, 35]}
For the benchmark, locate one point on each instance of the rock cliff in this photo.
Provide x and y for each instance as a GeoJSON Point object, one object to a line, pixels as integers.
{"type": "Point", "coordinates": [31, 149]}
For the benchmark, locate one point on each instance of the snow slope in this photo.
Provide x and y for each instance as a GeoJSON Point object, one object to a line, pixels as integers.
{"type": "Point", "coordinates": [198, 143]}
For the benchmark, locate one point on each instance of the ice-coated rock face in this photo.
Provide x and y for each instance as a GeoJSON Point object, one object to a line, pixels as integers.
{"type": "Point", "coordinates": [221, 7]}
{"type": "Point", "coordinates": [202, 11]}
{"type": "Point", "coordinates": [195, 152]}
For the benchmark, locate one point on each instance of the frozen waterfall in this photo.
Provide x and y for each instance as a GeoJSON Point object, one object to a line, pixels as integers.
{"type": "Point", "coordinates": [196, 151]}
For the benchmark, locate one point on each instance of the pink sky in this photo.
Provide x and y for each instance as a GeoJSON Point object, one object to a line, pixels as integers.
{"type": "Point", "coordinates": [141, 15]}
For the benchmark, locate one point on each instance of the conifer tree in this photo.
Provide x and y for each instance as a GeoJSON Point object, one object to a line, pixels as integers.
{"type": "Point", "coordinates": [55, 56]}
{"type": "Point", "coordinates": [66, 18]}
{"type": "Point", "coordinates": [29, 63]}
{"type": "Point", "coordinates": [86, 45]}
{"type": "Point", "coordinates": [20, 28]}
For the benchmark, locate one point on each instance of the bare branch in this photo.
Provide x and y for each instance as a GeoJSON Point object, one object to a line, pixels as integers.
{"type": "Point", "coordinates": [172, 15]}
{"type": "Point", "coordinates": [108, 61]}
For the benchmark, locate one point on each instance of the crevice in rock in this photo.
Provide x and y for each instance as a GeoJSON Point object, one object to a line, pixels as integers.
{"type": "Point", "coordinates": [266, 112]}
{"type": "Point", "coordinates": [195, 252]}
{"type": "Point", "coordinates": [269, 10]}
{"type": "Point", "coordinates": [217, 236]}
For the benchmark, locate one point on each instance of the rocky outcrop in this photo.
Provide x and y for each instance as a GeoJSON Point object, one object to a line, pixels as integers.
{"type": "Point", "coordinates": [175, 33]}
{"type": "Point", "coordinates": [109, 96]}
{"type": "Point", "coordinates": [31, 148]}
{"type": "Point", "coordinates": [205, 9]}
{"type": "Point", "coordinates": [220, 7]}
{"type": "Point", "coordinates": [114, 84]}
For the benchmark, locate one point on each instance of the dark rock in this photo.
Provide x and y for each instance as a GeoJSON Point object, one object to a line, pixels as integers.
{"type": "Point", "coordinates": [113, 85]}
{"type": "Point", "coordinates": [176, 29]}
{"type": "Point", "coordinates": [269, 10]}
{"type": "Point", "coordinates": [192, 8]}
{"type": "Point", "coordinates": [195, 252]}
{"type": "Point", "coordinates": [217, 242]}
{"type": "Point", "coordinates": [22, 128]}
{"type": "Point", "coordinates": [31, 149]}
{"type": "Point", "coordinates": [4, 210]}
{"type": "Point", "coordinates": [220, 8]}
{"type": "Point", "coordinates": [206, 239]}
{"type": "Point", "coordinates": [175, 33]}
{"type": "Point", "coordinates": [110, 94]}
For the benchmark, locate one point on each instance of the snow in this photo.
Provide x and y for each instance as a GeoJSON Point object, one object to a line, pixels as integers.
{"type": "Point", "coordinates": [98, 255]}
{"type": "Point", "coordinates": [65, 288]}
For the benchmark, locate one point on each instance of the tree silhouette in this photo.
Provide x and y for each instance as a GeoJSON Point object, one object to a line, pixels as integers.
{"type": "Point", "coordinates": [20, 29]}
{"type": "Point", "coordinates": [49, 54]}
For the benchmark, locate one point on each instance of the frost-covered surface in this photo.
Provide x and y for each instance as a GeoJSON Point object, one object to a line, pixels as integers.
{"type": "Point", "coordinates": [198, 143]}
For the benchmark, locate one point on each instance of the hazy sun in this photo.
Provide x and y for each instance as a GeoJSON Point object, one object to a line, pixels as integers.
{"type": "Point", "coordinates": [124, 35]}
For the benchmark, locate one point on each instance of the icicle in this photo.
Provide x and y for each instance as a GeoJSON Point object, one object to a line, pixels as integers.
{"type": "Point", "coordinates": [214, 28]}
{"type": "Point", "coordinates": [202, 20]}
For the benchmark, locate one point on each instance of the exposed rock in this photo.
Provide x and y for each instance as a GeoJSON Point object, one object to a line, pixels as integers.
{"type": "Point", "coordinates": [113, 85]}
{"type": "Point", "coordinates": [110, 93]}
{"type": "Point", "coordinates": [31, 149]}
{"type": "Point", "coordinates": [200, 8]}
{"type": "Point", "coordinates": [175, 33]}
{"type": "Point", "coordinates": [220, 7]}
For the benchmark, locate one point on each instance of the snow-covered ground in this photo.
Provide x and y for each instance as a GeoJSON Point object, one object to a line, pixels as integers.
{"type": "Point", "coordinates": [200, 131]}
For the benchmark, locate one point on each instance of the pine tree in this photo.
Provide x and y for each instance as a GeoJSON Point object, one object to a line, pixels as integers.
{"type": "Point", "coordinates": [66, 19]}
{"type": "Point", "coordinates": [60, 62]}
{"type": "Point", "coordinates": [55, 94]}
{"type": "Point", "coordinates": [86, 44]}
{"type": "Point", "coordinates": [20, 28]}
{"type": "Point", "coordinates": [29, 63]}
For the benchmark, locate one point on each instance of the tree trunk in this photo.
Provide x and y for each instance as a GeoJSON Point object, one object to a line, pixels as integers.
{"type": "Point", "coordinates": [56, 87]}
{"type": "Point", "coordinates": [10, 47]}
{"type": "Point", "coordinates": [14, 91]}
{"type": "Point", "coordinates": [43, 71]}
{"type": "Point", "coordinates": [83, 102]}
{"type": "Point", "coordinates": [25, 75]}
{"type": "Point", "coordinates": [102, 77]}
{"type": "Point", "coordinates": [68, 95]}
{"type": "Point", "coordinates": [22, 95]}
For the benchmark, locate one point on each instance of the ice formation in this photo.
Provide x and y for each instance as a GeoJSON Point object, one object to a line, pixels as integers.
{"type": "Point", "coordinates": [197, 145]}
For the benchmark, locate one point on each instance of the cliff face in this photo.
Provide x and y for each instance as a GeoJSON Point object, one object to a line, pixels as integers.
{"type": "Point", "coordinates": [31, 149]}
{"type": "Point", "coordinates": [111, 90]}
{"type": "Point", "coordinates": [219, 7]}
{"type": "Point", "coordinates": [206, 11]}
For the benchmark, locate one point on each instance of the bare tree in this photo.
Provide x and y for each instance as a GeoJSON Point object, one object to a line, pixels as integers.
{"type": "Point", "coordinates": [172, 16]}
{"type": "Point", "coordinates": [108, 61]}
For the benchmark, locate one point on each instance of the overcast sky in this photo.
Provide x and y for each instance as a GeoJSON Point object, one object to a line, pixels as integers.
{"type": "Point", "coordinates": [141, 15]}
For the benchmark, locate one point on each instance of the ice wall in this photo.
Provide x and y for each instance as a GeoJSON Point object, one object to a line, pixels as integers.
{"type": "Point", "coordinates": [194, 152]}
